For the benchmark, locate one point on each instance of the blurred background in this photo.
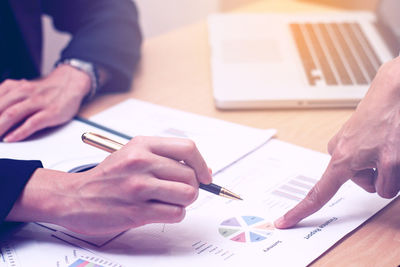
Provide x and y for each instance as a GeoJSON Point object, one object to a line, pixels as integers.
{"type": "Point", "coordinates": [160, 16]}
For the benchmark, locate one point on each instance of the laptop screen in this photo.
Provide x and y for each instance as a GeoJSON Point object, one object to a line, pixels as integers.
{"type": "Point", "coordinates": [389, 23]}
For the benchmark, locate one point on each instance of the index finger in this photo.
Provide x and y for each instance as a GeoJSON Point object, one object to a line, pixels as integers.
{"type": "Point", "coordinates": [332, 179]}
{"type": "Point", "coordinates": [183, 150]}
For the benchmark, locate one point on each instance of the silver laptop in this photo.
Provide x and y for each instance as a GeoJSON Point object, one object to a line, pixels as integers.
{"type": "Point", "coordinates": [300, 60]}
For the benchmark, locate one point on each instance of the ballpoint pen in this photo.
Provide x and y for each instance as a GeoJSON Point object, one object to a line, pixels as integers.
{"type": "Point", "coordinates": [109, 145]}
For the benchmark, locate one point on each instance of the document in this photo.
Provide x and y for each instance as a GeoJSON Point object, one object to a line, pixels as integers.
{"type": "Point", "coordinates": [271, 176]}
{"type": "Point", "coordinates": [219, 232]}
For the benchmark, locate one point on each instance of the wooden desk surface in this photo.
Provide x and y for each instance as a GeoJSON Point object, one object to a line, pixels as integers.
{"type": "Point", "coordinates": [175, 72]}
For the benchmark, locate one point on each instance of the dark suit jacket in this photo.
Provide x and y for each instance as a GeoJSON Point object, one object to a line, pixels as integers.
{"type": "Point", "coordinates": [104, 32]}
{"type": "Point", "coordinates": [14, 174]}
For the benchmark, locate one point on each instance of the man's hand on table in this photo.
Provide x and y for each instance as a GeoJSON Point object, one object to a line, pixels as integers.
{"type": "Point", "coordinates": [365, 150]}
{"type": "Point", "coordinates": [29, 106]}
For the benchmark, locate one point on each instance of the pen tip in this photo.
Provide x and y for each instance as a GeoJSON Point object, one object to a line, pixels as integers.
{"type": "Point", "coordinates": [230, 194]}
{"type": "Point", "coordinates": [83, 136]}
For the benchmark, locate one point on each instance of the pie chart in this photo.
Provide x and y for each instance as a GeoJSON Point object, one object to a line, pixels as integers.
{"type": "Point", "coordinates": [246, 229]}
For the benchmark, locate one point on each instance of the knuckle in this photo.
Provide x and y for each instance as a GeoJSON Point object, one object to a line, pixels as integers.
{"type": "Point", "coordinates": [191, 177]}
{"type": "Point", "coordinates": [25, 86]}
{"type": "Point", "coordinates": [137, 186]}
{"type": "Point", "coordinates": [340, 154]}
{"type": "Point", "coordinates": [9, 82]}
{"type": "Point", "coordinates": [139, 139]}
{"type": "Point", "coordinates": [190, 146]}
{"type": "Point", "coordinates": [331, 146]}
{"type": "Point", "coordinates": [177, 214]}
{"type": "Point", "coordinates": [55, 109]}
{"type": "Point", "coordinates": [388, 162]}
{"type": "Point", "coordinates": [342, 157]}
{"type": "Point", "coordinates": [10, 113]}
{"type": "Point", "coordinates": [313, 198]}
{"type": "Point", "coordinates": [138, 159]}
{"type": "Point", "coordinates": [189, 195]}
{"type": "Point", "coordinates": [25, 83]}
{"type": "Point", "coordinates": [48, 107]}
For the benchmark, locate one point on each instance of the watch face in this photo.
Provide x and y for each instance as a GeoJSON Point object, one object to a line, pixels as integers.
{"type": "Point", "coordinates": [83, 65]}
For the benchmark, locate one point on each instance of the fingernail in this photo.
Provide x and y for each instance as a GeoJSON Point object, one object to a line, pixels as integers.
{"type": "Point", "coordinates": [279, 223]}
{"type": "Point", "coordinates": [210, 173]}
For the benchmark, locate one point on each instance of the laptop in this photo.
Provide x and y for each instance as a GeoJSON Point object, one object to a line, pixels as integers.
{"type": "Point", "coordinates": [300, 60]}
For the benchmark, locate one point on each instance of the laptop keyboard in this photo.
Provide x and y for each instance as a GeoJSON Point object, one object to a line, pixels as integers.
{"type": "Point", "coordinates": [335, 53]}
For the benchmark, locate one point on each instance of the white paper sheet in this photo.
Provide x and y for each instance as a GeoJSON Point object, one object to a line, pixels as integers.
{"type": "Point", "coordinates": [220, 142]}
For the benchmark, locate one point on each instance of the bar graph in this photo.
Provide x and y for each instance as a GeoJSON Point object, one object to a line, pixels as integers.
{"type": "Point", "coordinates": [83, 258]}
{"type": "Point", "coordinates": [288, 193]}
{"type": "Point", "coordinates": [295, 189]}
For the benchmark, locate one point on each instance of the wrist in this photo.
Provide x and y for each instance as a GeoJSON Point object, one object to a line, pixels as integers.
{"type": "Point", "coordinates": [45, 198]}
{"type": "Point", "coordinates": [87, 68]}
{"type": "Point", "coordinates": [385, 88]}
{"type": "Point", "coordinates": [76, 82]}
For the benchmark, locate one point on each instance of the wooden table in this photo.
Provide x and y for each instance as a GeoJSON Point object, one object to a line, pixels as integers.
{"type": "Point", "coordinates": [175, 72]}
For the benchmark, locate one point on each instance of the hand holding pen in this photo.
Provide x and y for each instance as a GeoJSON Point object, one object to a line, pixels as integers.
{"type": "Point", "coordinates": [109, 145]}
{"type": "Point", "coordinates": [143, 182]}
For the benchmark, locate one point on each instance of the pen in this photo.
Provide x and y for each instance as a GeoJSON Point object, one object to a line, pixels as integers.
{"type": "Point", "coordinates": [109, 145]}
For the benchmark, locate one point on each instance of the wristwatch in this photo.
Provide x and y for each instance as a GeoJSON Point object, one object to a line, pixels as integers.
{"type": "Point", "coordinates": [89, 69]}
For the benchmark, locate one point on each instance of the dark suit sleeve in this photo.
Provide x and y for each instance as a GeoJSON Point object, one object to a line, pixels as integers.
{"type": "Point", "coordinates": [14, 174]}
{"type": "Point", "coordinates": [104, 32]}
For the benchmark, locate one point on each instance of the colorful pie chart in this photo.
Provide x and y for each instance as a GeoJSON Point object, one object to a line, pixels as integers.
{"type": "Point", "coordinates": [246, 229]}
